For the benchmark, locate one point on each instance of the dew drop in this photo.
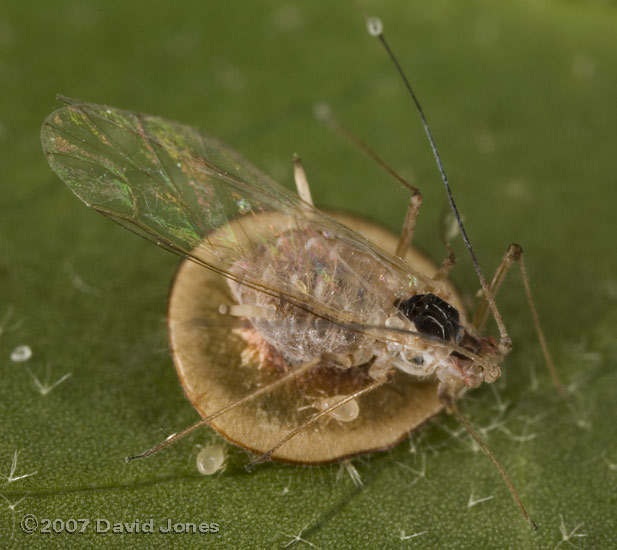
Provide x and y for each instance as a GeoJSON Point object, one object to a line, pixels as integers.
{"type": "Point", "coordinates": [345, 413]}
{"type": "Point", "coordinates": [211, 459]}
{"type": "Point", "coordinates": [21, 354]}
{"type": "Point", "coordinates": [374, 26]}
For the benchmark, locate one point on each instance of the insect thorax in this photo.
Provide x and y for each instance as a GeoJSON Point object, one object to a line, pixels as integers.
{"type": "Point", "coordinates": [324, 271]}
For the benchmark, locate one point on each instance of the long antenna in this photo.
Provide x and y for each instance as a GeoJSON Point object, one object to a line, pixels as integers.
{"type": "Point", "coordinates": [375, 28]}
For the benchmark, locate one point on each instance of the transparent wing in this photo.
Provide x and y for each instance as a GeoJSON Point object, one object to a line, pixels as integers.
{"type": "Point", "coordinates": [195, 196]}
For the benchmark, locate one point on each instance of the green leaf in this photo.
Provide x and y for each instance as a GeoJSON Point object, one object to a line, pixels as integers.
{"type": "Point", "coordinates": [521, 101]}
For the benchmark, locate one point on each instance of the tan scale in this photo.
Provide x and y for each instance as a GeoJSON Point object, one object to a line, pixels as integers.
{"type": "Point", "coordinates": [217, 367]}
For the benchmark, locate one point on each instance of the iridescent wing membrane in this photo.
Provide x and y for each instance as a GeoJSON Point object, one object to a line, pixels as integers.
{"type": "Point", "coordinates": [195, 196]}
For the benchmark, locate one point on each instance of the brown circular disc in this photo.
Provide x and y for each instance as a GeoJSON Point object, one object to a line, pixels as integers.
{"type": "Point", "coordinates": [216, 369]}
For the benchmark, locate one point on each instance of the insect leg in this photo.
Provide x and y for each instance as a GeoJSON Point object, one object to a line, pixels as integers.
{"type": "Point", "coordinates": [502, 471]}
{"type": "Point", "coordinates": [415, 201]}
{"type": "Point", "coordinates": [348, 360]}
{"type": "Point", "coordinates": [446, 232]}
{"type": "Point", "coordinates": [302, 184]}
{"type": "Point", "coordinates": [294, 373]}
{"type": "Point", "coordinates": [445, 267]}
{"type": "Point", "coordinates": [266, 456]}
{"type": "Point", "coordinates": [512, 255]}
{"type": "Point", "coordinates": [409, 224]}
{"type": "Point", "coordinates": [515, 254]}
{"type": "Point", "coordinates": [245, 310]}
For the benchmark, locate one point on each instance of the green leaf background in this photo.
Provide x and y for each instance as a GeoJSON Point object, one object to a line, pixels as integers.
{"type": "Point", "coordinates": [521, 97]}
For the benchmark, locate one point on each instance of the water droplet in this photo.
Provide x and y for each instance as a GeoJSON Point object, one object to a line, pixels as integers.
{"type": "Point", "coordinates": [21, 354]}
{"type": "Point", "coordinates": [374, 26]}
{"type": "Point", "coordinates": [211, 459]}
{"type": "Point", "coordinates": [345, 413]}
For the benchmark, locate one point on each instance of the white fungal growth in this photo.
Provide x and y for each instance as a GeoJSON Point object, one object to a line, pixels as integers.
{"type": "Point", "coordinates": [473, 501]}
{"type": "Point", "coordinates": [374, 26]}
{"type": "Point", "coordinates": [79, 283]}
{"type": "Point", "coordinates": [5, 320]}
{"type": "Point", "coordinates": [12, 477]}
{"type": "Point", "coordinates": [44, 387]}
{"type": "Point", "coordinates": [353, 473]}
{"type": "Point", "coordinates": [403, 536]}
{"type": "Point", "coordinates": [567, 536]}
{"type": "Point", "coordinates": [12, 506]}
{"type": "Point", "coordinates": [211, 459]}
{"type": "Point", "coordinates": [21, 354]}
{"type": "Point", "coordinates": [298, 538]}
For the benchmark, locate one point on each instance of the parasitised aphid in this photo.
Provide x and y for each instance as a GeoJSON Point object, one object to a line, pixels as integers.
{"type": "Point", "coordinates": [302, 341]}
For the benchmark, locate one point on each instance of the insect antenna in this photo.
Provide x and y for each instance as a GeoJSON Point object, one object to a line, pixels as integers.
{"type": "Point", "coordinates": [375, 28]}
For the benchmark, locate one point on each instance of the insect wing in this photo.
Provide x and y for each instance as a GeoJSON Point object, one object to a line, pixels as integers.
{"type": "Point", "coordinates": [193, 195]}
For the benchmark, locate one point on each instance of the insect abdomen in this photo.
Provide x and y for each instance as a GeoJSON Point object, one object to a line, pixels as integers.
{"type": "Point", "coordinates": [332, 275]}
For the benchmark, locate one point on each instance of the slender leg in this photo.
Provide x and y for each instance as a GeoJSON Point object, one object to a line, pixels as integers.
{"type": "Point", "coordinates": [445, 267]}
{"type": "Point", "coordinates": [515, 254]}
{"type": "Point", "coordinates": [536, 322]}
{"type": "Point", "coordinates": [445, 234]}
{"type": "Point", "coordinates": [301, 182]}
{"type": "Point", "coordinates": [416, 197]}
{"type": "Point", "coordinates": [502, 471]}
{"type": "Point", "coordinates": [242, 310]}
{"type": "Point", "coordinates": [409, 224]}
{"type": "Point", "coordinates": [512, 255]}
{"type": "Point", "coordinates": [294, 373]}
{"type": "Point", "coordinates": [315, 418]}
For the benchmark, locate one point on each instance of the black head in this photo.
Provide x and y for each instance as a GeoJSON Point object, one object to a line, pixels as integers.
{"type": "Point", "coordinates": [432, 316]}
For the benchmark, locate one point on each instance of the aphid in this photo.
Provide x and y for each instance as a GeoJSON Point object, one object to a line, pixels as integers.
{"type": "Point", "coordinates": [302, 341]}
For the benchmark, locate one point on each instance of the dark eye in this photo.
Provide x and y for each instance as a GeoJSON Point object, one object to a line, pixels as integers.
{"type": "Point", "coordinates": [432, 316]}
